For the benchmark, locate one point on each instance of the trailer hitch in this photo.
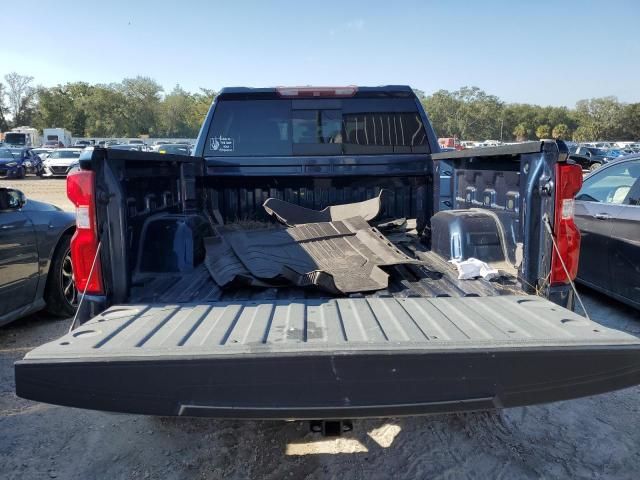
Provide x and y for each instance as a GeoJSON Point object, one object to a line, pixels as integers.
{"type": "Point", "coordinates": [331, 428]}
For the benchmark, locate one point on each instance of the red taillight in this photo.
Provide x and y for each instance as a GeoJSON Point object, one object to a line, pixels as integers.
{"type": "Point", "coordinates": [567, 235]}
{"type": "Point", "coordinates": [348, 91]}
{"type": "Point", "coordinates": [84, 243]}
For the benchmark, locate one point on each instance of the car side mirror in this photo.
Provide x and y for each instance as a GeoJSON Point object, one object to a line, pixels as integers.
{"type": "Point", "coordinates": [11, 199]}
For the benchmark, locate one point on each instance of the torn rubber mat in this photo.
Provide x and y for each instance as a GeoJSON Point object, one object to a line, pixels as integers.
{"type": "Point", "coordinates": [350, 252]}
{"type": "Point", "coordinates": [291, 214]}
{"type": "Point", "coordinates": [224, 265]}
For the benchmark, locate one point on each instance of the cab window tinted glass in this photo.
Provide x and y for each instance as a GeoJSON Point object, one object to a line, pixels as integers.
{"type": "Point", "coordinates": [316, 127]}
{"type": "Point", "coordinates": [612, 184]}
{"type": "Point", "coordinates": [259, 127]}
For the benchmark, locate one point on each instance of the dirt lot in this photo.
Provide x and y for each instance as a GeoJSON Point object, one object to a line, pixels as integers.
{"type": "Point", "coordinates": [51, 190]}
{"type": "Point", "coordinates": [596, 437]}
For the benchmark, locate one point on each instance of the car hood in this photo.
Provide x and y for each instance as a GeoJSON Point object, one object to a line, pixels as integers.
{"type": "Point", "coordinates": [60, 161]}
{"type": "Point", "coordinates": [7, 160]}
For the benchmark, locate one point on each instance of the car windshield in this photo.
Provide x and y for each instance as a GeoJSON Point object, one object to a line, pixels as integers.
{"type": "Point", "coordinates": [125, 147]}
{"type": "Point", "coordinates": [175, 149]}
{"type": "Point", "coordinates": [65, 154]}
{"type": "Point", "coordinates": [15, 138]}
{"type": "Point", "coordinates": [598, 151]}
{"type": "Point", "coordinates": [5, 153]}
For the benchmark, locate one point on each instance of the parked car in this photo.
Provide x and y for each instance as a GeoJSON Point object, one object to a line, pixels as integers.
{"type": "Point", "coordinates": [82, 143]}
{"type": "Point", "coordinates": [614, 153]}
{"type": "Point", "coordinates": [135, 147]}
{"type": "Point", "coordinates": [35, 257]}
{"type": "Point", "coordinates": [59, 162]}
{"type": "Point", "coordinates": [589, 158]}
{"type": "Point", "coordinates": [175, 148]}
{"type": "Point", "coordinates": [43, 153]}
{"type": "Point", "coordinates": [16, 162]}
{"type": "Point", "coordinates": [607, 212]}
{"type": "Point", "coordinates": [53, 144]}
{"type": "Point", "coordinates": [159, 143]}
{"type": "Point", "coordinates": [163, 335]}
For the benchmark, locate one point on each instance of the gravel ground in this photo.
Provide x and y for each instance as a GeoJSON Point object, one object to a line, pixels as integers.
{"type": "Point", "coordinates": [595, 437]}
{"type": "Point", "coordinates": [51, 190]}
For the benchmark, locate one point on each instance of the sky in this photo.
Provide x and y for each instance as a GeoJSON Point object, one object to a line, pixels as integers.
{"type": "Point", "coordinates": [543, 52]}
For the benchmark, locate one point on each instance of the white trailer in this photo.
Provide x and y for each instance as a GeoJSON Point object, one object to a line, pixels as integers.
{"type": "Point", "coordinates": [23, 136]}
{"type": "Point", "coordinates": [57, 135]}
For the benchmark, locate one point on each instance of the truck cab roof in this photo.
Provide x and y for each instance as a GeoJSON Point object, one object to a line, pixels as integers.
{"type": "Point", "coordinates": [319, 91]}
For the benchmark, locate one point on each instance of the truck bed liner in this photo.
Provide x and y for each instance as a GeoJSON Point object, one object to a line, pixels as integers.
{"type": "Point", "coordinates": [329, 358]}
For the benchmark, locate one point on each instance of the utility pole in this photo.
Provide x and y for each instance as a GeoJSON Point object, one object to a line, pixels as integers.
{"type": "Point", "coordinates": [501, 127]}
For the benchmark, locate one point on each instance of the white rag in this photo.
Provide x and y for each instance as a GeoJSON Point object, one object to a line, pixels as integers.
{"type": "Point", "coordinates": [473, 268]}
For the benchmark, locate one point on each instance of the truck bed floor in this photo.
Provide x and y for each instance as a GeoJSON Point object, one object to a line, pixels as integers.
{"type": "Point", "coordinates": [436, 278]}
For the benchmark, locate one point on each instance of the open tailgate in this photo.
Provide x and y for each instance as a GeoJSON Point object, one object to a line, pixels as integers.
{"type": "Point", "coordinates": [329, 358]}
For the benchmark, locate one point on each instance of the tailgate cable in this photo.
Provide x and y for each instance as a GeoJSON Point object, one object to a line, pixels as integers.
{"type": "Point", "coordinates": [93, 264]}
{"type": "Point", "coordinates": [566, 271]}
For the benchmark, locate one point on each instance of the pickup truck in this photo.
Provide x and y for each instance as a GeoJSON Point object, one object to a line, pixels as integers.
{"type": "Point", "coordinates": [157, 335]}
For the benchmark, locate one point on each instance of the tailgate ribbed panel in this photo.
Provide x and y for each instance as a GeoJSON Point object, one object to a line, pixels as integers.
{"type": "Point", "coordinates": [350, 324]}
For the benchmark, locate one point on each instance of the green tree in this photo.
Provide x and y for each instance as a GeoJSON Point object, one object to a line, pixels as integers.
{"type": "Point", "coordinates": [543, 131]}
{"type": "Point", "coordinates": [142, 100]}
{"type": "Point", "coordinates": [105, 114]}
{"type": "Point", "coordinates": [176, 111]}
{"type": "Point", "coordinates": [631, 122]}
{"type": "Point", "coordinates": [202, 103]}
{"type": "Point", "coordinates": [560, 131]}
{"type": "Point", "coordinates": [55, 107]}
{"type": "Point", "coordinates": [521, 132]}
{"type": "Point", "coordinates": [584, 133]}
{"type": "Point", "coordinates": [603, 117]}
{"type": "Point", "coordinates": [467, 113]}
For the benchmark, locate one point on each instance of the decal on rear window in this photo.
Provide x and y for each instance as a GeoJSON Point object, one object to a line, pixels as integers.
{"type": "Point", "coordinates": [222, 144]}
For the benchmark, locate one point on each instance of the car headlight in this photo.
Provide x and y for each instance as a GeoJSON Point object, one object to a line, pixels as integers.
{"type": "Point", "coordinates": [27, 164]}
{"type": "Point", "coordinates": [11, 164]}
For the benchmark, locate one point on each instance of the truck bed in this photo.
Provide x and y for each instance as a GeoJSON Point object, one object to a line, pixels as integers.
{"type": "Point", "coordinates": [329, 358]}
{"type": "Point", "coordinates": [436, 278]}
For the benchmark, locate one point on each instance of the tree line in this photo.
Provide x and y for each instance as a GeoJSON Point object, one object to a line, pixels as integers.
{"type": "Point", "coordinates": [133, 107]}
{"type": "Point", "coordinates": [471, 114]}
{"type": "Point", "coordinates": [139, 106]}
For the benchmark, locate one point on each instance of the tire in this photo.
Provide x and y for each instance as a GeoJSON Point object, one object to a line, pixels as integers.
{"type": "Point", "coordinates": [60, 292]}
{"type": "Point", "coordinates": [594, 166]}
{"type": "Point", "coordinates": [21, 173]}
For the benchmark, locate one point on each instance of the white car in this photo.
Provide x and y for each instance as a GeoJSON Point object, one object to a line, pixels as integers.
{"type": "Point", "coordinates": [43, 153]}
{"type": "Point", "coordinates": [60, 162]}
{"type": "Point", "coordinates": [159, 144]}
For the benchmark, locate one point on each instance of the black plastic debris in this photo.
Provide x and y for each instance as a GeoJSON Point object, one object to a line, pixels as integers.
{"type": "Point", "coordinates": [342, 256]}
{"type": "Point", "coordinates": [291, 214]}
{"type": "Point", "coordinates": [224, 265]}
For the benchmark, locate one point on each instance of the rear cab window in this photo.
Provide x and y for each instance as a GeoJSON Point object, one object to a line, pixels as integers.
{"type": "Point", "coordinates": [327, 126]}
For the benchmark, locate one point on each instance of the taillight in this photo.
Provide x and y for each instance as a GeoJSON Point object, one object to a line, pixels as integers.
{"type": "Point", "coordinates": [84, 243]}
{"type": "Point", "coordinates": [348, 91]}
{"type": "Point", "coordinates": [566, 233]}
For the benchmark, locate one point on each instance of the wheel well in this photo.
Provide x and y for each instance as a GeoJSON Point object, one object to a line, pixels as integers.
{"type": "Point", "coordinates": [68, 232]}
